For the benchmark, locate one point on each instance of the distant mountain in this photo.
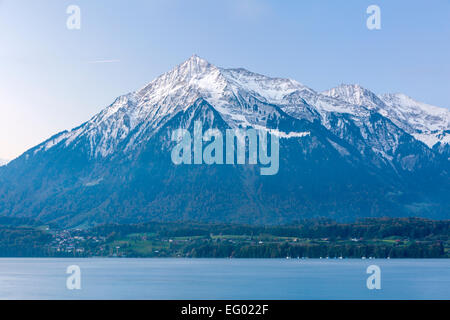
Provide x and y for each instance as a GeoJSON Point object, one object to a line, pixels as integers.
{"type": "Point", "coordinates": [426, 123]}
{"type": "Point", "coordinates": [364, 155]}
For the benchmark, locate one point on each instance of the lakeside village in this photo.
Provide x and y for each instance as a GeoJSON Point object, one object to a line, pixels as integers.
{"type": "Point", "coordinates": [79, 243]}
{"type": "Point", "coordinates": [382, 238]}
{"type": "Point", "coordinates": [69, 242]}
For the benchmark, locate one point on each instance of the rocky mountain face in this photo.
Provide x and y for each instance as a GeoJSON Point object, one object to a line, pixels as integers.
{"type": "Point", "coordinates": [344, 153]}
{"type": "Point", "coordinates": [426, 123]}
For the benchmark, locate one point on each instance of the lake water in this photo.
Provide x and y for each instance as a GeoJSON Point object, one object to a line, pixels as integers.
{"type": "Point", "coordinates": [35, 278]}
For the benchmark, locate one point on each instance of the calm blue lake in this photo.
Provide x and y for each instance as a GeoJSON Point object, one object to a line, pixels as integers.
{"type": "Point", "coordinates": [33, 278]}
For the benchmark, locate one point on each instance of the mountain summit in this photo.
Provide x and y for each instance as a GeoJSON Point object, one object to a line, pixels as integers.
{"type": "Point", "coordinates": [426, 123]}
{"type": "Point", "coordinates": [364, 155]}
{"type": "Point", "coordinates": [355, 94]}
{"type": "Point", "coordinates": [231, 90]}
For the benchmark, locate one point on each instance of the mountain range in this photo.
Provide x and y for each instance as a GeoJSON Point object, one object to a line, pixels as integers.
{"type": "Point", "coordinates": [365, 155]}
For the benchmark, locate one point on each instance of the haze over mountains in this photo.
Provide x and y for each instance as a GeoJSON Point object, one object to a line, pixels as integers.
{"type": "Point", "coordinates": [365, 155]}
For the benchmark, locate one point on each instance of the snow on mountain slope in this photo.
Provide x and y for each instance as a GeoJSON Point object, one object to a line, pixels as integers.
{"type": "Point", "coordinates": [3, 162]}
{"type": "Point", "coordinates": [232, 92]}
{"type": "Point", "coordinates": [117, 166]}
{"type": "Point", "coordinates": [244, 98]}
{"type": "Point", "coordinates": [426, 123]}
{"type": "Point", "coordinates": [355, 94]}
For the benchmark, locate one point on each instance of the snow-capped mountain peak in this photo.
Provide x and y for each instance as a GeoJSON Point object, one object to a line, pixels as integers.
{"type": "Point", "coordinates": [355, 94]}
{"type": "Point", "coordinates": [362, 155]}
{"type": "Point", "coordinates": [191, 71]}
{"type": "Point", "coordinates": [229, 91]}
{"type": "Point", "coordinates": [234, 93]}
{"type": "Point", "coordinates": [407, 104]}
{"type": "Point", "coordinates": [426, 123]}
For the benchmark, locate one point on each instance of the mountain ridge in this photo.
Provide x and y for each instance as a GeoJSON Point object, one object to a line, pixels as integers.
{"type": "Point", "coordinates": [355, 161]}
{"type": "Point", "coordinates": [198, 78]}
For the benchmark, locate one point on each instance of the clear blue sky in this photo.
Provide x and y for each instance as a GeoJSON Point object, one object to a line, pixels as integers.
{"type": "Point", "coordinates": [51, 78]}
